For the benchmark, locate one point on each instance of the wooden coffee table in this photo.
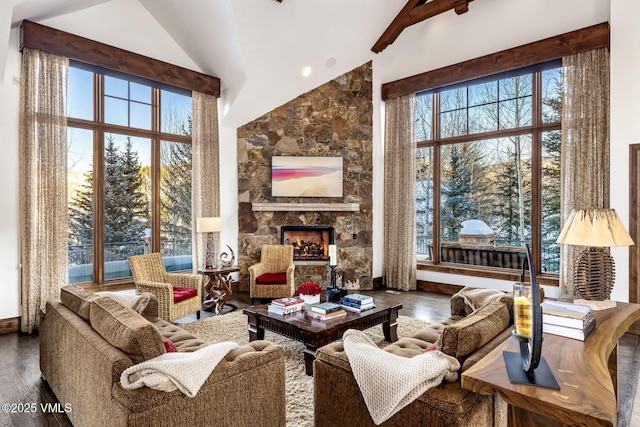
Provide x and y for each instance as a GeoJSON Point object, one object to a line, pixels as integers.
{"type": "Point", "coordinates": [315, 334]}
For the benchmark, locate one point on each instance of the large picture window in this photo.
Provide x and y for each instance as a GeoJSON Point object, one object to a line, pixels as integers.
{"type": "Point", "coordinates": [129, 174]}
{"type": "Point", "coordinates": [488, 171]}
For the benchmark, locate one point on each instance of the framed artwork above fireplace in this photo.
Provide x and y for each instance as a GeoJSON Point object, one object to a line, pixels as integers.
{"type": "Point", "coordinates": [302, 176]}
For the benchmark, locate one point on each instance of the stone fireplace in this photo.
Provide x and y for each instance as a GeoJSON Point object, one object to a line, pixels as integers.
{"type": "Point", "coordinates": [310, 242]}
{"type": "Point", "coordinates": [333, 120]}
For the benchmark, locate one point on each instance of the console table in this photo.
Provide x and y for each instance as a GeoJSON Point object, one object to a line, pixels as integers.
{"type": "Point", "coordinates": [218, 288]}
{"type": "Point", "coordinates": [586, 371]}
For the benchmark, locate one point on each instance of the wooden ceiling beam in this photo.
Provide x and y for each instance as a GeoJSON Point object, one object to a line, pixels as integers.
{"type": "Point", "coordinates": [417, 11]}
{"type": "Point", "coordinates": [395, 28]}
{"type": "Point", "coordinates": [47, 39]}
{"type": "Point", "coordinates": [582, 40]}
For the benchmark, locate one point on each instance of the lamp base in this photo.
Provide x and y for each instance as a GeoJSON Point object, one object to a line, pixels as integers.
{"type": "Point", "coordinates": [596, 305]}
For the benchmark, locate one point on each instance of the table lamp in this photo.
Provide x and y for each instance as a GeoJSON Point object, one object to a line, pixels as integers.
{"type": "Point", "coordinates": [209, 225]}
{"type": "Point", "coordinates": [594, 272]}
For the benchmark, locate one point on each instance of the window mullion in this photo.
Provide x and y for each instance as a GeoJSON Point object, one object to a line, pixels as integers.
{"type": "Point", "coordinates": [436, 178]}
{"type": "Point", "coordinates": [536, 171]}
{"type": "Point", "coordinates": [155, 170]}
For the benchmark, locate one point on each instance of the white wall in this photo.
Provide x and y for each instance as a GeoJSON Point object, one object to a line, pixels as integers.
{"type": "Point", "coordinates": [9, 214]}
{"type": "Point", "coordinates": [625, 126]}
{"type": "Point", "coordinates": [228, 188]}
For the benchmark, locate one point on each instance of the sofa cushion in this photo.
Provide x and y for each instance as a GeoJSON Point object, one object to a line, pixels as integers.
{"type": "Point", "coordinates": [182, 294]}
{"type": "Point", "coordinates": [136, 302]}
{"type": "Point", "coordinates": [125, 329]}
{"type": "Point", "coordinates": [77, 300]}
{"type": "Point", "coordinates": [472, 332]}
{"type": "Point", "coordinates": [271, 278]}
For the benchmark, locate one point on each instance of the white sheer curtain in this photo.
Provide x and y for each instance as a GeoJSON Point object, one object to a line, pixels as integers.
{"type": "Point", "coordinates": [585, 144]}
{"type": "Point", "coordinates": [206, 170]}
{"type": "Point", "coordinates": [399, 194]}
{"type": "Point", "coordinates": [43, 182]}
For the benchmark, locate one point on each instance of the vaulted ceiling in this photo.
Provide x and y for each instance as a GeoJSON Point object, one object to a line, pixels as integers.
{"type": "Point", "coordinates": [258, 48]}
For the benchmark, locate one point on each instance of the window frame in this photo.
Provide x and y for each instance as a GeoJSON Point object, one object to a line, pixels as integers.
{"type": "Point", "coordinates": [100, 129]}
{"type": "Point", "coordinates": [536, 130]}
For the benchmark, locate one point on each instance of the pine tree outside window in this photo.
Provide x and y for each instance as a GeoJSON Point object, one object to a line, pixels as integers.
{"type": "Point", "coordinates": [489, 150]}
{"type": "Point", "coordinates": [129, 174]}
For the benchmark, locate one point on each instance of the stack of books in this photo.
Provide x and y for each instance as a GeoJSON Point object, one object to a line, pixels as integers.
{"type": "Point", "coordinates": [567, 319]}
{"type": "Point", "coordinates": [286, 305]}
{"type": "Point", "coordinates": [357, 302]}
{"type": "Point", "coordinates": [325, 311]}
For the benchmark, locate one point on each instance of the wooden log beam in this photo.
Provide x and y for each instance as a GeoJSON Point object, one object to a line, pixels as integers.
{"type": "Point", "coordinates": [47, 39]}
{"type": "Point", "coordinates": [417, 11]}
{"type": "Point", "coordinates": [585, 39]}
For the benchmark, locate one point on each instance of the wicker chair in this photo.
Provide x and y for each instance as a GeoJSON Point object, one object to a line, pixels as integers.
{"type": "Point", "coordinates": [150, 275]}
{"type": "Point", "coordinates": [272, 277]}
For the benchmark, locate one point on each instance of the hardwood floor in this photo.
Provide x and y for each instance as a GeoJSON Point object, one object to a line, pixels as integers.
{"type": "Point", "coordinates": [22, 384]}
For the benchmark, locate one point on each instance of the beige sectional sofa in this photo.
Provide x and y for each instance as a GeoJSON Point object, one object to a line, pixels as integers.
{"type": "Point", "coordinates": [467, 335]}
{"type": "Point", "coordinates": [87, 341]}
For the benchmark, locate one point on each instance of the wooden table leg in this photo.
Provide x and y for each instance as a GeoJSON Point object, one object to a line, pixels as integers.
{"type": "Point", "coordinates": [309, 356]}
{"type": "Point", "coordinates": [223, 282]}
{"type": "Point", "coordinates": [255, 331]}
{"type": "Point", "coordinates": [390, 328]}
{"type": "Point", "coordinates": [214, 295]}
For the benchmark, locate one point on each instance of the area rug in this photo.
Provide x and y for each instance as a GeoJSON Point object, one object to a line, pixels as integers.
{"type": "Point", "coordinates": [299, 386]}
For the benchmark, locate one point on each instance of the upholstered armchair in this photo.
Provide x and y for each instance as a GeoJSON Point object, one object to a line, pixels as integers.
{"type": "Point", "coordinates": [272, 277]}
{"type": "Point", "coordinates": [178, 295]}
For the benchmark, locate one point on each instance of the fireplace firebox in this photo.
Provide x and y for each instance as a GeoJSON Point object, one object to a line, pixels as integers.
{"type": "Point", "coordinates": [310, 242]}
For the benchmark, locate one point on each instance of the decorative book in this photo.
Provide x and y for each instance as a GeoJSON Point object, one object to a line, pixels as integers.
{"type": "Point", "coordinates": [276, 309]}
{"type": "Point", "coordinates": [575, 333]}
{"type": "Point", "coordinates": [566, 309]}
{"type": "Point", "coordinates": [322, 317]}
{"type": "Point", "coordinates": [358, 298]}
{"type": "Point", "coordinates": [287, 301]}
{"type": "Point", "coordinates": [325, 307]}
{"type": "Point", "coordinates": [358, 309]}
{"type": "Point", "coordinates": [569, 322]}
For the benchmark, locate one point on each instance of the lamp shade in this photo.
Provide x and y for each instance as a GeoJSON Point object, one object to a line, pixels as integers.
{"type": "Point", "coordinates": [594, 228]}
{"type": "Point", "coordinates": [208, 224]}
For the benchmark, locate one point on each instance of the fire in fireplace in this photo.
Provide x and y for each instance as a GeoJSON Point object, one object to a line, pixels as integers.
{"type": "Point", "coordinates": [310, 242]}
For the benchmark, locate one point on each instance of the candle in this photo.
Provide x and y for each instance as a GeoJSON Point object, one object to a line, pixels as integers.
{"type": "Point", "coordinates": [522, 309]}
{"type": "Point", "coordinates": [333, 257]}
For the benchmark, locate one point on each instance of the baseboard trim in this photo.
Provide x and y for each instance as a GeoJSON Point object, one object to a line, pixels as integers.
{"type": "Point", "coordinates": [439, 288]}
{"type": "Point", "coordinates": [10, 325]}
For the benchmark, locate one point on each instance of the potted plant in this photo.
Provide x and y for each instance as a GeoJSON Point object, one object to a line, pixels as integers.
{"type": "Point", "coordinates": [310, 292]}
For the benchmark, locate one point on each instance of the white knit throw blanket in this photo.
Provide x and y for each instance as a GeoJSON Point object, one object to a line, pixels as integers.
{"type": "Point", "coordinates": [183, 371]}
{"type": "Point", "coordinates": [389, 382]}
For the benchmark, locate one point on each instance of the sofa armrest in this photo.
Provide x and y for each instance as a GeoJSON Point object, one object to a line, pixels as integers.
{"type": "Point", "coordinates": [253, 372]}
{"type": "Point", "coordinates": [151, 310]}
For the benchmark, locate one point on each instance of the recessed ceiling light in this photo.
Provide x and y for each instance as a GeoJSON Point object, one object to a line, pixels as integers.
{"type": "Point", "coordinates": [330, 62]}
{"type": "Point", "coordinates": [306, 71]}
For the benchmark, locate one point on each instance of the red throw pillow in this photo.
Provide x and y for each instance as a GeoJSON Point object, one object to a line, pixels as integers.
{"type": "Point", "coordinates": [181, 294]}
{"type": "Point", "coordinates": [271, 279]}
{"type": "Point", "coordinates": [169, 346]}
{"type": "Point", "coordinates": [430, 348]}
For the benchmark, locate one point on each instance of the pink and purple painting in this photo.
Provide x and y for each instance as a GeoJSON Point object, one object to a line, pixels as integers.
{"type": "Point", "coordinates": [297, 176]}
